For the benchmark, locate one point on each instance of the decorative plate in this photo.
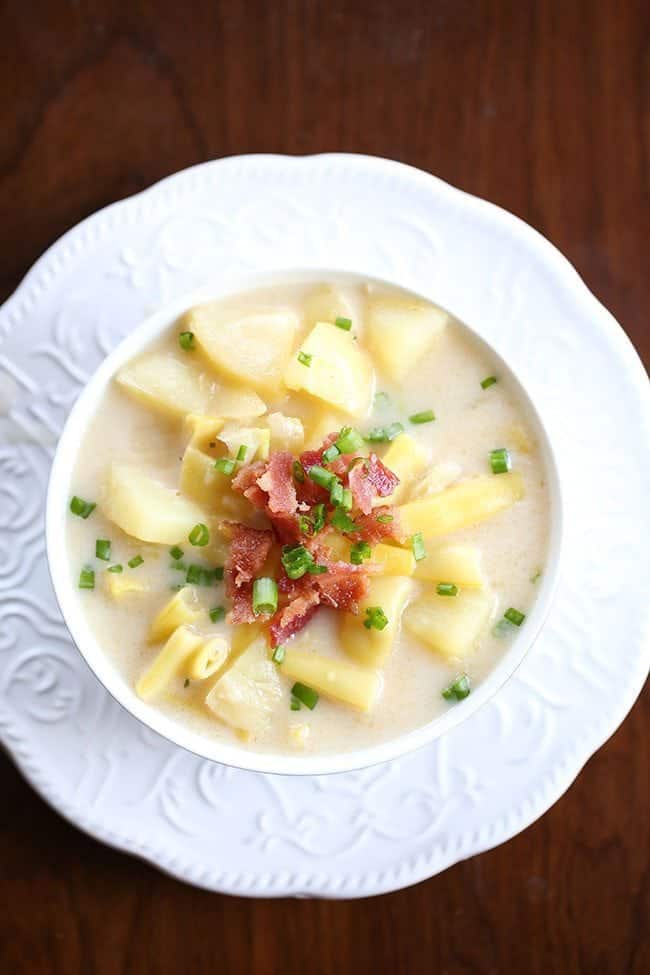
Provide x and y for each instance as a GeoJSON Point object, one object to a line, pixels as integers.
{"type": "Point", "coordinates": [361, 833]}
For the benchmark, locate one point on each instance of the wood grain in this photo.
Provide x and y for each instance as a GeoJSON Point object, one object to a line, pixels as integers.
{"type": "Point", "coordinates": [542, 107]}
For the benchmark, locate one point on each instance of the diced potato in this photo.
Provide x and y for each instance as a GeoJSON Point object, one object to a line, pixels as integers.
{"type": "Point", "coordinates": [247, 694]}
{"type": "Point", "coordinates": [340, 373]}
{"type": "Point", "coordinates": [436, 479]}
{"type": "Point", "coordinates": [393, 561]}
{"type": "Point", "coordinates": [201, 431]}
{"type": "Point", "coordinates": [450, 625]}
{"type": "Point", "coordinates": [298, 735]}
{"type": "Point", "coordinates": [255, 439]}
{"type": "Point", "coordinates": [287, 432]}
{"type": "Point", "coordinates": [452, 563]}
{"type": "Point", "coordinates": [176, 386]}
{"type": "Point", "coordinates": [407, 459]}
{"type": "Point", "coordinates": [200, 480]}
{"type": "Point", "coordinates": [183, 607]}
{"type": "Point", "coordinates": [338, 544]}
{"type": "Point", "coordinates": [252, 346]}
{"type": "Point", "coordinates": [400, 331]}
{"type": "Point", "coordinates": [339, 679]}
{"type": "Point", "coordinates": [325, 304]}
{"type": "Point", "coordinates": [121, 584]}
{"type": "Point", "coordinates": [145, 508]}
{"type": "Point", "coordinates": [462, 505]}
{"type": "Point", "coordinates": [372, 647]}
{"type": "Point", "coordinates": [209, 658]}
{"type": "Point", "coordinates": [181, 645]}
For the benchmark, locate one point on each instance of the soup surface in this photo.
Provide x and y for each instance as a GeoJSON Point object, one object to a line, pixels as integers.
{"type": "Point", "coordinates": [309, 518]}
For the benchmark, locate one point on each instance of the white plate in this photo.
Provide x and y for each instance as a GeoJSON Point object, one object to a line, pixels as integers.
{"type": "Point", "coordinates": [392, 825]}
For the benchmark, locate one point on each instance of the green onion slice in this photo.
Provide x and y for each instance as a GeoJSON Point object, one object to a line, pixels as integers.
{"type": "Point", "coordinates": [115, 568]}
{"type": "Point", "coordinates": [135, 562]}
{"type": "Point", "coordinates": [103, 549]}
{"type": "Point", "coordinates": [488, 381]}
{"type": "Point", "coordinates": [199, 535]}
{"type": "Point", "coordinates": [80, 507]}
{"type": "Point", "coordinates": [417, 544]}
{"type": "Point", "coordinates": [336, 494]}
{"type": "Point", "coordinates": [385, 519]}
{"type": "Point", "coordinates": [331, 453]}
{"type": "Point", "coordinates": [318, 514]}
{"type": "Point", "coordinates": [304, 358]}
{"type": "Point", "coordinates": [198, 575]}
{"type": "Point", "coordinates": [305, 525]}
{"type": "Point", "coordinates": [447, 589]}
{"type": "Point", "coordinates": [298, 472]}
{"type": "Point", "coordinates": [348, 440]}
{"type": "Point", "coordinates": [306, 695]}
{"type": "Point", "coordinates": [344, 323]}
{"type": "Point", "coordinates": [278, 654]}
{"type": "Point", "coordinates": [186, 340]}
{"type": "Point", "coordinates": [359, 552]}
{"type": "Point", "coordinates": [226, 465]}
{"type": "Point", "coordinates": [500, 461]}
{"type": "Point", "coordinates": [217, 613]}
{"type": "Point", "coordinates": [295, 703]}
{"type": "Point", "coordinates": [241, 453]}
{"type": "Point", "coordinates": [87, 578]}
{"type": "Point", "coordinates": [425, 416]}
{"type": "Point", "coordinates": [265, 595]}
{"type": "Point", "coordinates": [342, 521]}
{"type": "Point", "coordinates": [384, 434]}
{"type": "Point", "coordinates": [320, 476]}
{"type": "Point", "coordinates": [376, 618]}
{"type": "Point", "coordinates": [218, 573]}
{"type": "Point", "coordinates": [346, 501]}
{"type": "Point", "coordinates": [514, 616]}
{"type": "Point", "coordinates": [458, 689]}
{"type": "Point", "coordinates": [176, 552]}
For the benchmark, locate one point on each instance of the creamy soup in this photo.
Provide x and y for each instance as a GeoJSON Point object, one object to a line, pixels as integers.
{"type": "Point", "coordinates": [309, 518]}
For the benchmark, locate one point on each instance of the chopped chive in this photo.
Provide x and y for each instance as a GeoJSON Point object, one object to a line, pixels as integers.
{"type": "Point", "coordinates": [306, 695]}
{"type": "Point", "coordinates": [295, 704]}
{"type": "Point", "coordinates": [348, 440]}
{"type": "Point", "coordinates": [186, 340]}
{"type": "Point", "coordinates": [241, 453]}
{"type": "Point", "coordinates": [135, 562]}
{"type": "Point", "coordinates": [343, 522]}
{"type": "Point", "coordinates": [218, 573]}
{"type": "Point", "coordinates": [87, 578]}
{"type": "Point", "coordinates": [331, 453]}
{"type": "Point", "coordinates": [458, 689]}
{"type": "Point", "coordinates": [80, 507]}
{"type": "Point", "coordinates": [226, 465]}
{"type": "Point", "coordinates": [199, 535]}
{"type": "Point", "coordinates": [488, 381]}
{"type": "Point", "coordinates": [336, 493]}
{"type": "Point", "coordinates": [321, 477]}
{"type": "Point", "coordinates": [316, 570]}
{"type": "Point", "coordinates": [103, 549]}
{"type": "Point", "coordinates": [296, 560]}
{"type": "Point", "coordinates": [447, 589]}
{"type": "Point", "coordinates": [304, 358]}
{"type": "Point", "coordinates": [298, 472]}
{"type": "Point", "coordinates": [265, 595]}
{"type": "Point", "coordinates": [115, 568]}
{"type": "Point", "coordinates": [500, 461]}
{"type": "Point", "coordinates": [198, 575]}
{"type": "Point", "coordinates": [346, 501]}
{"type": "Point", "coordinates": [359, 552]}
{"type": "Point", "coordinates": [344, 323]}
{"type": "Point", "coordinates": [278, 654]}
{"type": "Point", "coordinates": [376, 618]}
{"type": "Point", "coordinates": [514, 616]}
{"type": "Point", "coordinates": [417, 544]}
{"type": "Point", "coordinates": [176, 552]}
{"type": "Point", "coordinates": [217, 613]}
{"type": "Point", "coordinates": [186, 682]}
{"type": "Point", "coordinates": [384, 519]}
{"type": "Point", "coordinates": [425, 416]}
{"type": "Point", "coordinates": [318, 514]}
{"type": "Point", "coordinates": [384, 434]}
{"type": "Point", "coordinates": [305, 524]}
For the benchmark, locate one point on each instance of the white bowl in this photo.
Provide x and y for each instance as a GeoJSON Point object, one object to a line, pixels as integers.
{"type": "Point", "coordinates": [60, 490]}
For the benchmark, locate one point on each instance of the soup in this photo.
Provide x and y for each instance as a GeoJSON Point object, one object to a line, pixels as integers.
{"type": "Point", "coordinates": [310, 517]}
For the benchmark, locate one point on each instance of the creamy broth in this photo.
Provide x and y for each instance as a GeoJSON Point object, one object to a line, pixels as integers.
{"type": "Point", "coordinates": [470, 421]}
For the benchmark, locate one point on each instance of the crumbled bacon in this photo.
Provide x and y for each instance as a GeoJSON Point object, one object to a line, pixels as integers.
{"type": "Point", "coordinates": [277, 483]}
{"type": "Point", "coordinates": [249, 551]}
{"type": "Point", "coordinates": [241, 610]}
{"type": "Point", "coordinates": [245, 482]}
{"type": "Point", "coordinates": [369, 480]}
{"type": "Point", "coordinates": [372, 530]}
{"type": "Point", "coordinates": [294, 616]}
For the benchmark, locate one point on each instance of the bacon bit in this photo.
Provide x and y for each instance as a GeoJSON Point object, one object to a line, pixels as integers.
{"type": "Point", "coordinates": [245, 482]}
{"type": "Point", "coordinates": [277, 483]}
{"type": "Point", "coordinates": [309, 458]}
{"type": "Point", "coordinates": [249, 551]}
{"type": "Point", "coordinates": [290, 620]}
{"type": "Point", "coordinates": [369, 480]}
{"type": "Point", "coordinates": [343, 586]}
{"type": "Point", "coordinates": [372, 530]}
{"type": "Point", "coordinates": [242, 605]}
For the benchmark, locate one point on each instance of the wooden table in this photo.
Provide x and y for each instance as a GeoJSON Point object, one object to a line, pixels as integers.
{"type": "Point", "coordinates": [540, 107]}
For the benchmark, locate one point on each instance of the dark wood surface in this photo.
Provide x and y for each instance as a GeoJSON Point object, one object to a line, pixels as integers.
{"type": "Point", "coordinates": [541, 107]}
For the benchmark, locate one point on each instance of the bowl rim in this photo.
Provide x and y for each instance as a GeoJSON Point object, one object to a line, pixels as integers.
{"type": "Point", "coordinates": [99, 662]}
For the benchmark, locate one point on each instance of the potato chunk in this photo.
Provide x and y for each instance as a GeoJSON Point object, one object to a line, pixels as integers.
{"type": "Point", "coordinates": [175, 386]}
{"type": "Point", "coordinates": [372, 647]}
{"type": "Point", "coordinates": [406, 458]}
{"type": "Point", "coordinates": [145, 508]}
{"type": "Point", "coordinates": [183, 607]}
{"type": "Point", "coordinates": [325, 304]}
{"type": "Point", "coordinates": [394, 561]}
{"type": "Point", "coordinates": [462, 505]}
{"type": "Point", "coordinates": [201, 431]}
{"type": "Point", "coordinates": [450, 625]}
{"type": "Point", "coordinates": [341, 680]}
{"type": "Point", "coordinates": [247, 694]}
{"type": "Point", "coordinates": [399, 331]}
{"type": "Point", "coordinates": [252, 346]}
{"type": "Point", "coordinates": [121, 584]}
{"type": "Point", "coordinates": [256, 440]}
{"type": "Point", "coordinates": [287, 432]}
{"type": "Point", "coordinates": [339, 372]}
{"type": "Point", "coordinates": [200, 480]}
{"type": "Point", "coordinates": [452, 563]}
